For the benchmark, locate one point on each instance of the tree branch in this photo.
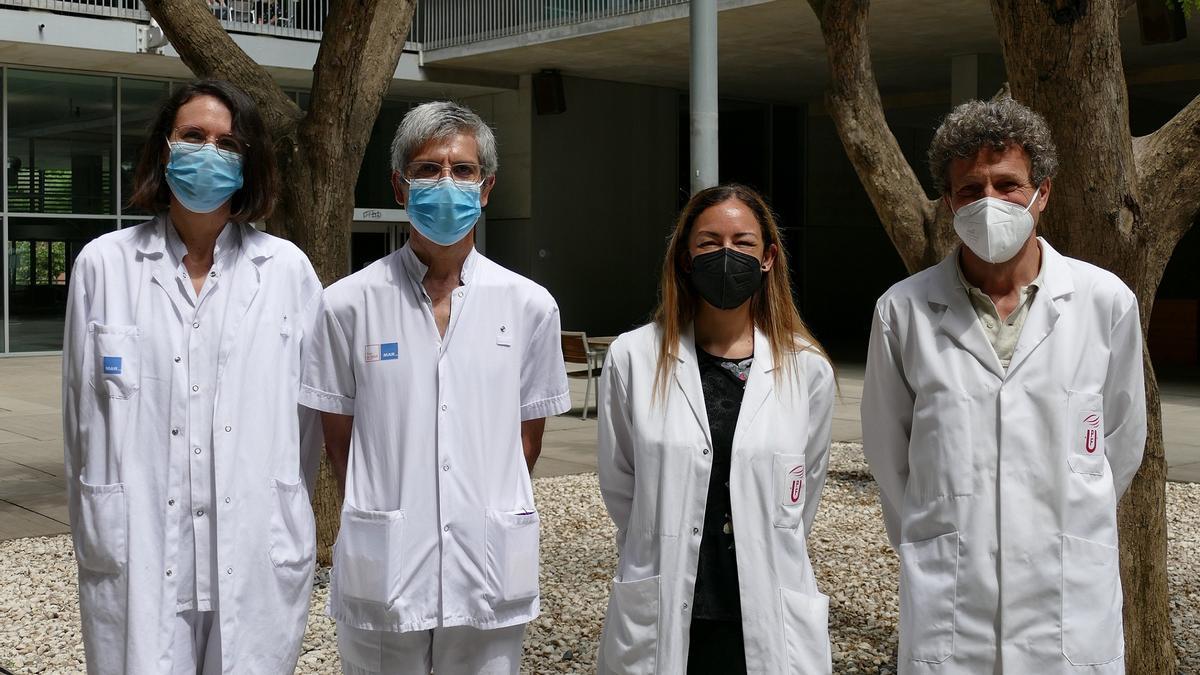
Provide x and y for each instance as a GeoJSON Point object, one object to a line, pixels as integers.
{"type": "Point", "coordinates": [208, 51]}
{"type": "Point", "coordinates": [1168, 163]}
{"type": "Point", "coordinates": [916, 225]}
{"type": "Point", "coordinates": [361, 46]}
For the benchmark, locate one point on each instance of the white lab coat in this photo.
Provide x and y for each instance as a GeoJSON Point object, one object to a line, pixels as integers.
{"type": "Point", "coordinates": [1000, 489]}
{"type": "Point", "coordinates": [117, 420]}
{"type": "Point", "coordinates": [654, 464]}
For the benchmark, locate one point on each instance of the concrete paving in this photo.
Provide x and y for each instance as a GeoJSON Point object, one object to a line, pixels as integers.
{"type": "Point", "coordinates": [33, 500]}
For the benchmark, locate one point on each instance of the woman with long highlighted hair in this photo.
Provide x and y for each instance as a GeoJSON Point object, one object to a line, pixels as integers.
{"type": "Point", "coordinates": [713, 444]}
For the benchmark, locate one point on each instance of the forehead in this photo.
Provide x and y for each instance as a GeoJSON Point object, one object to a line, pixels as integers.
{"type": "Point", "coordinates": [207, 112]}
{"type": "Point", "coordinates": [457, 147]}
{"type": "Point", "coordinates": [727, 218]}
{"type": "Point", "coordinates": [1011, 162]}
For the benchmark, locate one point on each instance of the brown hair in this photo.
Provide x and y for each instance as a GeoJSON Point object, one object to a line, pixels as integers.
{"type": "Point", "coordinates": [255, 200]}
{"type": "Point", "coordinates": [772, 308]}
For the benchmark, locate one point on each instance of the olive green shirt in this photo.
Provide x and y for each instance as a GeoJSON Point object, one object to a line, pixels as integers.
{"type": "Point", "coordinates": [1002, 333]}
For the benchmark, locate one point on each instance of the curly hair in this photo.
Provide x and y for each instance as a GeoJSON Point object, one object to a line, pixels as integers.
{"type": "Point", "coordinates": [996, 124]}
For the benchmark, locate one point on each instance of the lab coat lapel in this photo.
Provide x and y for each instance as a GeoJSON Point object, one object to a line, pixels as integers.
{"type": "Point", "coordinates": [687, 377]}
{"type": "Point", "coordinates": [156, 271]}
{"type": "Point", "coordinates": [759, 385]}
{"type": "Point", "coordinates": [959, 319]}
{"type": "Point", "coordinates": [247, 277]}
{"type": "Point", "coordinates": [1044, 311]}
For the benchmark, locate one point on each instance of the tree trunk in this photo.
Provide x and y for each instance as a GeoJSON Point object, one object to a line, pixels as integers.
{"type": "Point", "coordinates": [320, 153]}
{"type": "Point", "coordinates": [1118, 202]}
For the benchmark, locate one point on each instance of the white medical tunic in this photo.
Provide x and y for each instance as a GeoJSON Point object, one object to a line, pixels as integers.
{"type": "Point", "coordinates": [438, 526]}
{"type": "Point", "coordinates": [196, 326]}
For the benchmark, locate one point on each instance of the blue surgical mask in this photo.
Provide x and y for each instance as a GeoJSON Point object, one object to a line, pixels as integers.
{"type": "Point", "coordinates": [443, 211]}
{"type": "Point", "coordinates": [202, 177]}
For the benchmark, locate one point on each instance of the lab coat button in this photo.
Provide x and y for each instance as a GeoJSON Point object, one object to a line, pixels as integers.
{"type": "Point", "coordinates": [695, 530]}
{"type": "Point", "coordinates": [199, 513]}
{"type": "Point", "coordinates": [685, 606]}
{"type": "Point", "coordinates": [197, 451]}
{"type": "Point", "coordinates": [705, 451]}
{"type": "Point", "coordinates": [175, 431]}
{"type": "Point", "coordinates": [178, 359]}
{"type": "Point", "coordinates": [195, 324]}
{"type": "Point", "coordinates": [169, 572]}
{"type": "Point", "coordinates": [228, 429]}
{"type": "Point", "coordinates": [443, 406]}
{"type": "Point", "coordinates": [195, 387]}
{"type": "Point", "coordinates": [227, 500]}
{"type": "Point", "coordinates": [445, 467]}
{"type": "Point", "coordinates": [229, 570]}
{"type": "Point", "coordinates": [170, 502]}
{"type": "Point", "coordinates": [445, 528]}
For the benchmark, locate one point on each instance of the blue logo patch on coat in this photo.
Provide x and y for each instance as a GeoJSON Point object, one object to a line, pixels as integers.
{"type": "Point", "coordinates": [112, 365]}
{"type": "Point", "coordinates": [389, 351]}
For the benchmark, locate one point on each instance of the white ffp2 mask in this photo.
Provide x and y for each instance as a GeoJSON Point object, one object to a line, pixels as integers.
{"type": "Point", "coordinates": [994, 229]}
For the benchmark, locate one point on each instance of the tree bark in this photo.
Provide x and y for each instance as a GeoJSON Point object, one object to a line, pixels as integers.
{"type": "Point", "coordinates": [1119, 202]}
{"type": "Point", "coordinates": [320, 153]}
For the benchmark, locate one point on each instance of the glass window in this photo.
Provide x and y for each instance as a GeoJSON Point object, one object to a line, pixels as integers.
{"type": "Point", "coordinates": [374, 189]}
{"type": "Point", "coordinates": [140, 102]}
{"type": "Point", "coordinates": [41, 253]}
{"type": "Point", "coordinates": [61, 132]}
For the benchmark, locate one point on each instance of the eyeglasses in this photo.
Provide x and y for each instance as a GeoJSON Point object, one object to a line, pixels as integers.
{"type": "Point", "coordinates": [194, 138]}
{"type": "Point", "coordinates": [466, 173]}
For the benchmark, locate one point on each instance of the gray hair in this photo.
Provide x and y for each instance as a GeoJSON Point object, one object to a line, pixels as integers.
{"type": "Point", "coordinates": [975, 125]}
{"type": "Point", "coordinates": [438, 120]}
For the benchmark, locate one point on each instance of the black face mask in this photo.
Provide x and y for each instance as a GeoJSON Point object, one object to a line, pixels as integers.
{"type": "Point", "coordinates": [726, 278]}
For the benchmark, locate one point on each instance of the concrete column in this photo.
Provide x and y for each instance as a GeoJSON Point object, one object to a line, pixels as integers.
{"type": "Point", "coordinates": [975, 76]}
{"type": "Point", "coordinates": [703, 94]}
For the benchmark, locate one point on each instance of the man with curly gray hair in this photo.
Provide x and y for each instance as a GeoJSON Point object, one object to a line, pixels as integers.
{"type": "Point", "coordinates": [435, 370]}
{"type": "Point", "coordinates": [1003, 418]}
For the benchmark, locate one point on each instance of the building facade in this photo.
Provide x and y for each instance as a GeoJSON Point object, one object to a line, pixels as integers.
{"type": "Point", "coordinates": [593, 153]}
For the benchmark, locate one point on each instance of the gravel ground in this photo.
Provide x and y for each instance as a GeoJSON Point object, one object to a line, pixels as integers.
{"type": "Point", "coordinates": [39, 616]}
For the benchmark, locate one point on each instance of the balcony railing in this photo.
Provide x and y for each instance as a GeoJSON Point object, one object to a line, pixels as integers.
{"type": "Point", "coordinates": [453, 23]}
{"type": "Point", "coordinates": [437, 23]}
{"type": "Point", "coordinates": [300, 19]}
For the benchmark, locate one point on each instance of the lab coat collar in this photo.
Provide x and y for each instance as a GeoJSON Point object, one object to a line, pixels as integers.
{"type": "Point", "coordinates": [961, 322]}
{"type": "Point", "coordinates": [411, 266]}
{"type": "Point", "coordinates": [152, 240]}
{"type": "Point", "coordinates": [759, 384]}
{"type": "Point", "coordinates": [1045, 310]}
{"type": "Point", "coordinates": [228, 242]}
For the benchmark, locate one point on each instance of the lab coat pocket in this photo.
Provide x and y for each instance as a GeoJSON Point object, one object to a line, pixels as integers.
{"type": "Point", "coordinates": [292, 527]}
{"type": "Point", "coordinates": [928, 595]}
{"type": "Point", "coordinates": [512, 555]}
{"type": "Point", "coordinates": [806, 632]}
{"type": "Point", "coordinates": [1091, 602]}
{"type": "Point", "coordinates": [787, 472]}
{"type": "Point", "coordinates": [367, 561]}
{"type": "Point", "coordinates": [630, 640]}
{"type": "Point", "coordinates": [1085, 432]}
{"type": "Point", "coordinates": [115, 353]}
{"type": "Point", "coordinates": [102, 533]}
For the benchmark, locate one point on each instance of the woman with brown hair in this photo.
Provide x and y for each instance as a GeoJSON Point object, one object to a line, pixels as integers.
{"type": "Point", "coordinates": [181, 374]}
{"type": "Point", "coordinates": [713, 443]}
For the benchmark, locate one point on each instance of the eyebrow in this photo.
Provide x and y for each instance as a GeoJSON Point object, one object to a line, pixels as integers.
{"type": "Point", "coordinates": [743, 233]}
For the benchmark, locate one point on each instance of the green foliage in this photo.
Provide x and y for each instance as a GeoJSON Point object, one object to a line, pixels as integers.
{"type": "Point", "coordinates": [1188, 6]}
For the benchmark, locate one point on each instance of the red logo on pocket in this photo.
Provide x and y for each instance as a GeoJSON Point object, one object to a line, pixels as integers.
{"type": "Point", "coordinates": [797, 474]}
{"type": "Point", "coordinates": [1091, 436]}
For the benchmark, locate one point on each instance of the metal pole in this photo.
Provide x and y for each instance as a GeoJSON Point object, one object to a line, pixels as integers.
{"type": "Point", "coordinates": [703, 94]}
